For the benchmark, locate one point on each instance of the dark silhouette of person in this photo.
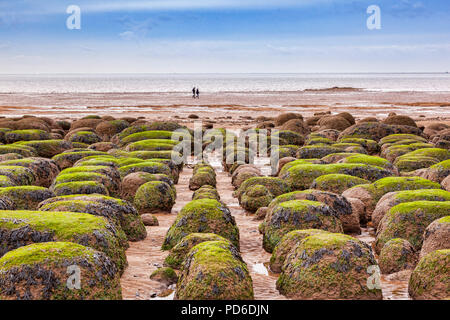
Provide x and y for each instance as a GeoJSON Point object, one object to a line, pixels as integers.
{"type": "Point", "coordinates": [198, 93]}
{"type": "Point", "coordinates": [193, 92]}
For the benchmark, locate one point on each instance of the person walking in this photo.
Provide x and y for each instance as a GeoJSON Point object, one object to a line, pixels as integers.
{"type": "Point", "coordinates": [193, 92]}
{"type": "Point", "coordinates": [198, 93]}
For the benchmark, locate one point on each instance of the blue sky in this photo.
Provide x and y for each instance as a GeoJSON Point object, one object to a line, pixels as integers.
{"type": "Point", "coordinates": [180, 36]}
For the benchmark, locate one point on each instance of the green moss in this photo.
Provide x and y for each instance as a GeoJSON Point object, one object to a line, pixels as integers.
{"type": "Point", "coordinates": [312, 140]}
{"type": "Point", "coordinates": [408, 163]}
{"type": "Point", "coordinates": [422, 194]}
{"type": "Point", "coordinates": [400, 137]}
{"type": "Point", "coordinates": [68, 159]}
{"type": "Point", "coordinates": [154, 154]}
{"type": "Point", "coordinates": [409, 221]}
{"type": "Point", "coordinates": [391, 184]}
{"type": "Point", "coordinates": [206, 216]}
{"type": "Point", "coordinates": [300, 177]}
{"type": "Point", "coordinates": [370, 160]}
{"type": "Point", "coordinates": [48, 253]}
{"type": "Point", "coordinates": [18, 174]}
{"type": "Point", "coordinates": [6, 182]}
{"type": "Point", "coordinates": [146, 166]}
{"type": "Point", "coordinates": [154, 134]}
{"type": "Point", "coordinates": [19, 149]}
{"type": "Point", "coordinates": [154, 196]}
{"type": "Point", "coordinates": [289, 137]}
{"type": "Point", "coordinates": [437, 153]}
{"type": "Point", "coordinates": [276, 186]}
{"type": "Point", "coordinates": [370, 145]}
{"type": "Point", "coordinates": [256, 197]}
{"type": "Point", "coordinates": [82, 228]}
{"type": "Point", "coordinates": [26, 197]}
{"type": "Point", "coordinates": [336, 183]}
{"type": "Point", "coordinates": [80, 187]}
{"type": "Point", "coordinates": [152, 145]}
{"type": "Point", "coordinates": [26, 135]}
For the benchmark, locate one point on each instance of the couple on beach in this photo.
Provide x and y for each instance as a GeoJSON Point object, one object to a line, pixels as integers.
{"type": "Point", "coordinates": [195, 93]}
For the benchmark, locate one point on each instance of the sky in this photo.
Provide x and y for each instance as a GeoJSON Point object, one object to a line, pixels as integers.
{"type": "Point", "coordinates": [224, 36]}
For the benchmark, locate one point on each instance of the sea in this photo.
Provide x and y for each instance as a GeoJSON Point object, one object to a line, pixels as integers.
{"type": "Point", "coordinates": [216, 83]}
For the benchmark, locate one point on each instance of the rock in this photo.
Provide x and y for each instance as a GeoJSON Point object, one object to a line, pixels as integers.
{"type": "Point", "coordinates": [206, 192]}
{"type": "Point", "coordinates": [255, 197]}
{"type": "Point", "coordinates": [117, 209]}
{"type": "Point", "coordinates": [286, 137]}
{"type": "Point", "coordinates": [429, 280]}
{"type": "Point", "coordinates": [26, 135]}
{"type": "Point", "coordinates": [154, 196]}
{"type": "Point", "coordinates": [285, 117]}
{"type": "Point", "coordinates": [179, 252]}
{"type": "Point", "coordinates": [336, 183]}
{"type": "Point", "coordinates": [275, 186]}
{"type": "Point", "coordinates": [202, 175]}
{"type": "Point", "coordinates": [165, 275]}
{"type": "Point", "coordinates": [316, 151]}
{"type": "Point", "coordinates": [26, 197]}
{"type": "Point", "coordinates": [392, 199]}
{"type": "Point", "coordinates": [149, 220]}
{"type": "Point", "coordinates": [436, 236]}
{"type": "Point", "coordinates": [25, 273]}
{"type": "Point", "coordinates": [67, 159]}
{"type": "Point", "coordinates": [225, 277]}
{"type": "Point", "coordinates": [132, 182]}
{"type": "Point", "coordinates": [80, 187]}
{"type": "Point", "coordinates": [397, 255]}
{"type": "Point", "coordinates": [107, 129]}
{"type": "Point", "coordinates": [334, 122]}
{"type": "Point", "coordinates": [102, 146]}
{"type": "Point", "coordinates": [439, 171]}
{"type": "Point", "coordinates": [298, 214]}
{"type": "Point", "coordinates": [44, 170]}
{"type": "Point", "coordinates": [408, 221]}
{"type": "Point", "coordinates": [328, 266]}
{"type": "Point", "coordinates": [285, 246]}
{"type": "Point", "coordinates": [34, 226]}
{"type": "Point", "coordinates": [205, 216]}
{"type": "Point", "coordinates": [260, 214]}
{"type": "Point", "coordinates": [295, 125]}
{"type": "Point", "coordinates": [400, 120]}
{"type": "Point", "coordinates": [377, 131]}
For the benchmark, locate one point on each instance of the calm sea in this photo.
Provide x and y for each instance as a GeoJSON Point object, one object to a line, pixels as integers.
{"type": "Point", "coordinates": [117, 83]}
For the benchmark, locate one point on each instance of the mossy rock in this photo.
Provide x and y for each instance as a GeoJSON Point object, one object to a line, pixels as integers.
{"type": "Point", "coordinates": [206, 192]}
{"type": "Point", "coordinates": [146, 166]}
{"type": "Point", "coordinates": [6, 182]}
{"type": "Point", "coordinates": [40, 272]}
{"type": "Point", "coordinates": [201, 177]}
{"type": "Point", "coordinates": [225, 277]}
{"type": "Point", "coordinates": [289, 137]}
{"type": "Point", "coordinates": [408, 221]}
{"type": "Point", "coordinates": [10, 156]}
{"type": "Point", "coordinates": [291, 164]}
{"type": "Point", "coordinates": [286, 244]}
{"type": "Point", "coordinates": [316, 151]}
{"type": "Point", "coordinates": [350, 147]}
{"type": "Point", "coordinates": [102, 146]}
{"type": "Point", "coordinates": [111, 172]}
{"type": "Point", "coordinates": [437, 153]}
{"type": "Point", "coordinates": [21, 176]}
{"type": "Point", "coordinates": [371, 146]}
{"type": "Point", "coordinates": [179, 252]}
{"type": "Point", "coordinates": [430, 279]}
{"type": "Point", "coordinates": [20, 228]}
{"type": "Point", "coordinates": [439, 171]}
{"type": "Point", "coordinates": [80, 187]}
{"type": "Point", "coordinates": [284, 151]}
{"type": "Point", "coordinates": [24, 151]}
{"type": "Point", "coordinates": [301, 176]}
{"type": "Point", "coordinates": [107, 129]}
{"type": "Point", "coordinates": [343, 208]}
{"type": "Point", "coordinates": [86, 137]}
{"type": "Point", "coordinates": [44, 170]}
{"type": "Point", "coordinates": [26, 135]}
{"type": "Point", "coordinates": [91, 207]}
{"type": "Point", "coordinates": [397, 255]}
{"type": "Point", "coordinates": [276, 186]}
{"type": "Point", "coordinates": [128, 161]}
{"type": "Point", "coordinates": [407, 164]}
{"type": "Point", "coordinates": [298, 214]}
{"type": "Point", "coordinates": [391, 199]}
{"type": "Point", "coordinates": [153, 134]}
{"type": "Point", "coordinates": [328, 266]}
{"type": "Point", "coordinates": [393, 152]}
{"type": "Point", "coordinates": [370, 160]}
{"type": "Point", "coordinates": [154, 196]}
{"type": "Point", "coordinates": [26, 197]}
{"type": "Point", "coordinates": [144, 155]}
{"type": "Point", "coordinates": [152, 145]}
{"type": "Point", "coordinates": [205, 216]}
{"type": "Point", "coordinates": [165, 275]}
{"type": "Point", "coordinates": [376, 131]}
{"type": "Point", "coordinates": [336, 183]}
{"type": "Point", "coordinates": [312, 140]}
{"type": "Point", "coordinates": [124, 211]}
{"type": "Point", "coordinates": [436, 236]}
{"type": "Point", "coordinates": [393, 138]}
{"type": "Point", "coordinates": [132, 182]}
{"type": "Point", "coordinates": [255, 197]}
{"type": "Point", "coordinates": [109, 161]}
{"type": "Point", "coordinates": [68, 159]}
{"type": "Point", "coordinates": [87, 176]}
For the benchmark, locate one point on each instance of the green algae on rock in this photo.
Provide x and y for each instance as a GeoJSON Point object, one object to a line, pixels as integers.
{"type": "Point", "coordinates": [336, 183]}
{"type": "Point", "coordinates": [44, 170]}
{"type": "Point", "coordinates": [82, 228]}
{"type": "Point", "coordinates": [276, 186]}
{"type": "Point", "coordinates": [47, 148]}
{"type": "Point", "coordinates": [225, 277]}
{"type": "Point", "coordinates": [329, 266]}
{"type": "Point", "coordinates": [39, 272]}
{"type": "Point", "coordinates": [80, 187]}
{"type": "Point", "coordinates": [298, 214]}
{"type": "Point", "coordinates": [408, 221]}
{"type": "Point", "coordinates": [430, 278]}
{"type": "Point", "coordinates": [179, 252]}
{"type": "Point", "coordinates": [125, 212]}
{"type": "Point", "coordinates": [26, 135]}
{"type": "Point", "coordinates": [206, 216]}
{"type": "Point", "coordinates": [154, 196]}
{"type": "Point", "coordinates": [26, 197]}
{"type": "Point", "coordinates": [255, 197]}
{"type": "Point", "coordinates": [397, 255]}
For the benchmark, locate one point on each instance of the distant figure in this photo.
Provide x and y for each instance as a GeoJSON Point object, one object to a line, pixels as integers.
{"type": "Point", "coordinates": [193, 92]}
{"type": "Point", "coordinates": [198, 93]}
